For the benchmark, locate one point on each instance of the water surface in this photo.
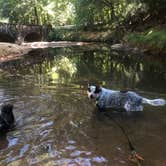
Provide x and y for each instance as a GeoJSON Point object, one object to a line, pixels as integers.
{"type": "Point", "coordinates": [57, 125]}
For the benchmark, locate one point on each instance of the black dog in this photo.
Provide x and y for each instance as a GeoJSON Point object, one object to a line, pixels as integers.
{"type": "Point", "coordinates": [6, 117]}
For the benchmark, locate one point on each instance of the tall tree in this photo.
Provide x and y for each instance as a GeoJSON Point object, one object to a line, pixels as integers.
{"type": "Point", "coordinates": [37, 11]}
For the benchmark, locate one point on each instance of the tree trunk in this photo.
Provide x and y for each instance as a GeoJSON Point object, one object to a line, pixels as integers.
{"type": "Point", "coordinates": [36, 13]}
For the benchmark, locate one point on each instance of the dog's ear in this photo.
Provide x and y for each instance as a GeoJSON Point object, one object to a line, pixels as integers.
{"type": "Point", "coordinates": [98, 89]}
{"type": "Point", "coordinates": [89, 87]}
{"type": "Point", "coordinates": [90, 84]}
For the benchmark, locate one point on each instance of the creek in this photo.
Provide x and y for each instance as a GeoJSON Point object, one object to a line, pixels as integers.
{"type": "Point", "coordinates": [56, 124]}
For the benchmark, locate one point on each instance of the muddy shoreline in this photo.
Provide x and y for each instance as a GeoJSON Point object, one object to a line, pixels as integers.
{"type": "Point", "coordinates": [10, 51]}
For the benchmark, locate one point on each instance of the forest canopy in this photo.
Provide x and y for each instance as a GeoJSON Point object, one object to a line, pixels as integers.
{"type": "Point", "coordinates": [80, 12]}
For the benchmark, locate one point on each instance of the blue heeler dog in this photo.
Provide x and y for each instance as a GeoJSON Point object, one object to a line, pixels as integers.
{"type": "Point", "coordinates": [126, 100]}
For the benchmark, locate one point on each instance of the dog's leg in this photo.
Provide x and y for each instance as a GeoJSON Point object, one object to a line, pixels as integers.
{"type": "Point", "coordinates": [100, 103]}
{"type": "Point", "coordinates": [127, 106]}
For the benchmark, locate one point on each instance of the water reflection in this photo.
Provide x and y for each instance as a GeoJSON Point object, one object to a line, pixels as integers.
{"type": "Point", "coordinates": [62, 71]}
{"type": "Point", "coordinates": [57, 125]}
{"type": "Point", "coordinates": [110, 68]}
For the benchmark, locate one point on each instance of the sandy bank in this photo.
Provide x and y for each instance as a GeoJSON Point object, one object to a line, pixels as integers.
{"type": "Point", "coordinates": [9, 51]}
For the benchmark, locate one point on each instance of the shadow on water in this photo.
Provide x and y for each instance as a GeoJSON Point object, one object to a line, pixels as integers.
{"type": "Point", "coordinates": [57, 125]}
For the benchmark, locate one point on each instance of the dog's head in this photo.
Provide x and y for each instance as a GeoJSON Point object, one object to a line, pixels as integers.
{"type": "Point", "coordinates": [94, 91]}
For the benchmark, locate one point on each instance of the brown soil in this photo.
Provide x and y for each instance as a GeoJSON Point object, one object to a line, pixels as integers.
{"type": "Point", "coordinates": [9, 51]}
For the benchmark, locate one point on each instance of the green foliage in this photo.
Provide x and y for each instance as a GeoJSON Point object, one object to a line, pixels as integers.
{"type": "Point", "coordinates": [37, 11]}
{"type": "Point", "coordinates": [65, 33]}
{"type": "Point", "coordinates": [153, 38]}
{"type": "Point", "coordinates": [89, 12]}
{"type": "Point", "coordinates": [155, 6]}
{"type": "Point", "coordinates": [74, 34]}
{"type": "Point", "coordinates": [82, 12]}
{"type": "Point", "coordinates": [117, 16]}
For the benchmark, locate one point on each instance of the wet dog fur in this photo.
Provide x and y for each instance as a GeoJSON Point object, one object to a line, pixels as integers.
{"type": "Point", "coordinates": [120, 100]}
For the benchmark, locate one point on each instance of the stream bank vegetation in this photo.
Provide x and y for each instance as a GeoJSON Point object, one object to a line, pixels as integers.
{"type": "Point", "coordinates": [139, 23]}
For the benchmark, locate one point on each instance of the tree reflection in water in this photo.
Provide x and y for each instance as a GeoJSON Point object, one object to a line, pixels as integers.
{"type": "Point", "coordinates": [56, 121]}
{"type": "Point", "coordinates": [115, 69]}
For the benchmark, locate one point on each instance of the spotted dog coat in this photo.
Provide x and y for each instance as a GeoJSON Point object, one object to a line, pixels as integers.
{"type": "Point", "coordinates": [127, 100]}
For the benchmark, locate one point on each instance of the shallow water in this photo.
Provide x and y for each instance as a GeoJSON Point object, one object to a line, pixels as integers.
{"type": "Point", "coordinates": [57, 125]}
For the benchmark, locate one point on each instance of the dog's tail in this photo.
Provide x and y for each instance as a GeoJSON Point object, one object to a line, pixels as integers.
{"type": "Point", "coordinates": [155, 102]}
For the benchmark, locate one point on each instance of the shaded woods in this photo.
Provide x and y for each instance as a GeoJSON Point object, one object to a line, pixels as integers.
{"type": "Point", "coordinates": [88, 13]}
{"type": "Point", "coordinates": [136, 23]}
{"type": "Point", "coordinates": [109, 20]}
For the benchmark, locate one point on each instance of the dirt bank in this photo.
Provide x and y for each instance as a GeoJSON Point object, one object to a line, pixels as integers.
{"type": "Point", "coordinates": [9, 51]}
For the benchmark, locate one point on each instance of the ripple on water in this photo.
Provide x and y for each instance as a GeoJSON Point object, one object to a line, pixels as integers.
{"type": "Point", "coordinates": [47, 124]}
{"type": "Point", "coordinates": [12, 156]}
{"type": "Point", "coordinates": [12, 141]}
{"type": "Point", "coordinates": [52, 112]}
{"type": "Point", "coordinates": [70, 147]}
{"type": "Point", "coordinates": [24, 149]}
